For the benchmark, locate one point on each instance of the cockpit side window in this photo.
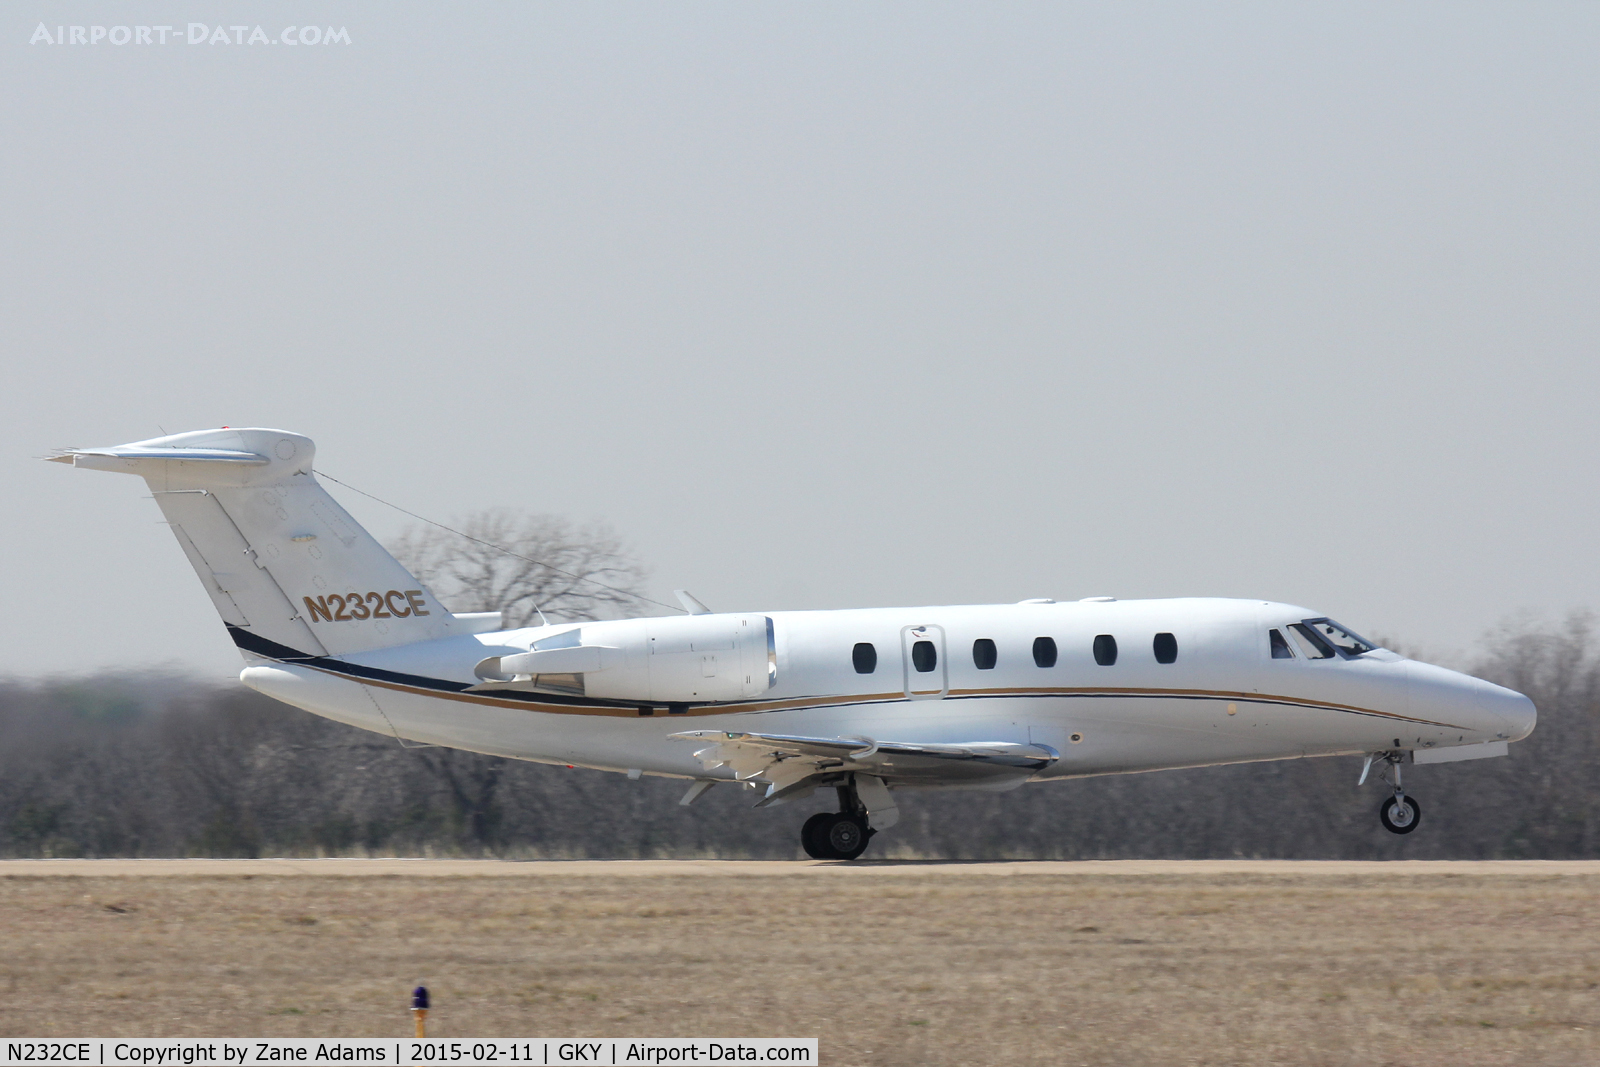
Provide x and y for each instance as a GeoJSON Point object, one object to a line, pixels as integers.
{"type": "Point", "coordinates": [1312, 645]}
{"type": "Point", "coordinates": [1342, 639]}
{"type": "Point", "coordinates": [1280, 647]}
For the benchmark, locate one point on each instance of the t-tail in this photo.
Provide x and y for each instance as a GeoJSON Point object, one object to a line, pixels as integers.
{"type": "Point", "coordinates": [291, 573]}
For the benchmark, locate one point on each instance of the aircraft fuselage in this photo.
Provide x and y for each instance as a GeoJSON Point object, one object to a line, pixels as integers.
{"type": "Point", "coordinates": [1222, 699]}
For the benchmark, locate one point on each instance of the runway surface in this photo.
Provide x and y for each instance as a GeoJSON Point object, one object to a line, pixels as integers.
{"type": "Point", "coordinates": [1227, 963]}
{"type": "Point", "coordinates": [450, 868]}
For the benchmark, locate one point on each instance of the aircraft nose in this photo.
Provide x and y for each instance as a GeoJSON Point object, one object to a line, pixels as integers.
{"type": "Point", "coordinates": [1514, 711]}
{"type": "Point", "coordinates": [1450, 696]}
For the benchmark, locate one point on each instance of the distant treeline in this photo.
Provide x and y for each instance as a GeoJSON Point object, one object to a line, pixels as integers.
{"type": "Point", "coordinates": [130, 765]}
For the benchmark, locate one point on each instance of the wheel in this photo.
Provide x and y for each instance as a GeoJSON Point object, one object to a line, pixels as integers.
{"type": "Point", "coordinates": [812, 837]}
{"type": "Point", "coordinates": [1399, 815]}
{"type": "Point", "coordinates": [846, 836]}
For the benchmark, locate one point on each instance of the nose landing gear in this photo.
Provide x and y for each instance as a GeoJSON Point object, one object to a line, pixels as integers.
{"type": "Point", "coordinates": [1399, 813]}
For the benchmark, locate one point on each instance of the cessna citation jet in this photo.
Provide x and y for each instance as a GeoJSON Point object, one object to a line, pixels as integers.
{"type": "Point", "coordinates": [864, 702]}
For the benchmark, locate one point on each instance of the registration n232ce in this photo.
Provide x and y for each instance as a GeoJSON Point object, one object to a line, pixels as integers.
{"type": "Point", "coordinates": [354, 607]}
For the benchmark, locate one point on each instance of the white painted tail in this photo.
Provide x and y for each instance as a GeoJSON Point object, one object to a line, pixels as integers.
{"type": "Point", "coordinates": [291, 573]}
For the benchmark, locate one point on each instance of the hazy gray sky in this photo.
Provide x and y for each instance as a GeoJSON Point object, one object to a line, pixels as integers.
{"type": "Point", "coordinates": [825, 305]}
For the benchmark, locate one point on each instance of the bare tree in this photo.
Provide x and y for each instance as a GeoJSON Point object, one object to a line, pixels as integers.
{"type": "Point", "coordinates": [518, 565]}
{"type": "Point", "coordinates": [472, 787]}
{"type": "Point", "coordinates": [144, 765]}
{"type": "Point", "coordinates": [562, 569]}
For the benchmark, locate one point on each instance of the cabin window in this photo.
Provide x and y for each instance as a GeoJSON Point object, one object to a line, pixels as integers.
{"type": "Point", "coordinates": [924, 657]}
{"type": "Point", "coordinates": [1105, 650]}
{"type": "Point", "coordinates": [865, 657]}
{"type": "Point", "coordinates": [1340, 638]}
{"type": "Point", "coordinates": [1311, 643]}
{"type": "Point", "coordinates": [1280, 647]}
{"type": "Point", "coordinates": [1166, 648]}
{"type": "Point", "coordinates": [1044, 651]}
{"type": "Point", "coordinates": [984, 656]}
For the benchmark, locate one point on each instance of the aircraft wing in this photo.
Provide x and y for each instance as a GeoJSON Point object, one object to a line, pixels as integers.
{"type": "Point", "coordinates": [788, 764]}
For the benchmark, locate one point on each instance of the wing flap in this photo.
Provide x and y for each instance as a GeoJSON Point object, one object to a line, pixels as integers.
{"type": "Point", "coordinates": [785, 761]}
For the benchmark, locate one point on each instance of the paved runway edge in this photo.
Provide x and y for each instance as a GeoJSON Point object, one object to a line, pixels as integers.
{"type": "Point", "coordinates": [700, 868]}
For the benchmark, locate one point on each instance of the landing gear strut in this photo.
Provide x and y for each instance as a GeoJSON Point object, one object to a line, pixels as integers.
{"type": "Point", "coordinates": [1399, 813]}
{"type": "Point", "coordinates": [838, 835]}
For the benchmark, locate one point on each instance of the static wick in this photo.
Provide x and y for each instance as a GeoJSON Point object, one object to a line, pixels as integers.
{"type": "Point", "coordinates": [419, 1008]}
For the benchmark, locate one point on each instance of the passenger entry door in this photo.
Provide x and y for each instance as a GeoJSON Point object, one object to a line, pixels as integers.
{"type": "Point", "coordinates": [926, 672]}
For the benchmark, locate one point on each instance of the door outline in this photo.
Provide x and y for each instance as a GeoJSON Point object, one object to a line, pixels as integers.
{"type": "Point", "coordinates": [910, 635]}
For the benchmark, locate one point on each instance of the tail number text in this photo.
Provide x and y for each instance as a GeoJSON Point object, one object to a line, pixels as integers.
{"type": "Point", "coordinates": [354, 607]}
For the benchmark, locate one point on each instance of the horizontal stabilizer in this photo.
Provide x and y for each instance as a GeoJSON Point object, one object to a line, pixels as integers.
{"type": "Point", "coordinates": [290, 571]}
{"type": "Point", "coordinates": [122, 455]}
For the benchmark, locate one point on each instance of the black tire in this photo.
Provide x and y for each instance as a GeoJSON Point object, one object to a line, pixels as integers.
{"type": "Point", "coordinates": [1399, 815]}
{"type": "Point", "coordinates": [846, 836]}
{"type": "Point", "coordinates": [813, 835]}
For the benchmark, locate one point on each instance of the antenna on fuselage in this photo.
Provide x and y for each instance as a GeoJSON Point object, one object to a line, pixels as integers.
{"type": "Point", "coordinates": [690, 603]}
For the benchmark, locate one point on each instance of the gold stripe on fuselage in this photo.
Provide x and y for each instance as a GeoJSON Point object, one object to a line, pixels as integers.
{"type": "Point", "coordinates": [761, 707]}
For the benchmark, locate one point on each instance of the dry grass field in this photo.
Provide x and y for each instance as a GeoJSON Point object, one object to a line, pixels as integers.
{"type": "Point", "coordinates": [893, 963]}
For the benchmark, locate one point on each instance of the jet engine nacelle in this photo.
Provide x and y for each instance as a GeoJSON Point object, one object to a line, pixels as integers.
{"type": "Point", "coordinates": [692, 659]}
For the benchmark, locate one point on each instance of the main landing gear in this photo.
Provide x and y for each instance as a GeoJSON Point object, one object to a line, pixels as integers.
{"type": "Point", "coordinates": [838, 835]}
{"type": "Point", "coordinates": [1399, 813]}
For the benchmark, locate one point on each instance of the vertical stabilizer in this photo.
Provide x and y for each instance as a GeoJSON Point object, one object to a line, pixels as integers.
{"type": "Point", "coordinates": [290, 572]}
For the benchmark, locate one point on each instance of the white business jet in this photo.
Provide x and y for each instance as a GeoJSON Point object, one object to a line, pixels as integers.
{"type": "Point", "coordinates": [866, 702]}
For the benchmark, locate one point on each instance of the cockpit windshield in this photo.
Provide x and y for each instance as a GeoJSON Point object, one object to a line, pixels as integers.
{"type": "Point", "coordinates": [1346, 642]}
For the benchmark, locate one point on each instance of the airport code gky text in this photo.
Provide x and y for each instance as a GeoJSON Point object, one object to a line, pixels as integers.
{"type": "Point", "coordinates": [609, 1052]}
{"type": "Point", "coordinates": [354, 607]}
